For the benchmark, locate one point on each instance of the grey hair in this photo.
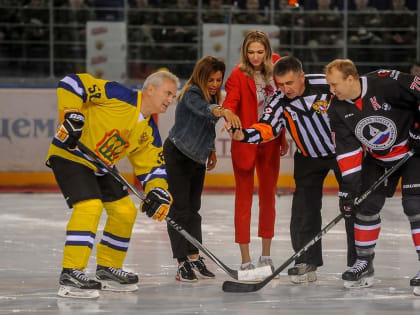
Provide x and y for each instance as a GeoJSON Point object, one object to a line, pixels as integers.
{"type": "Point", "coordinates": [156, 79]}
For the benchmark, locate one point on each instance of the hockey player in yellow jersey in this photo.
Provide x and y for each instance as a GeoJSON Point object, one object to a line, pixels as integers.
{"type": "Point", "coordinates": [114, 122]}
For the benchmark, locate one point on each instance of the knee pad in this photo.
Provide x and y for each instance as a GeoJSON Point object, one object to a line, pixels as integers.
{"type": "Point", "coordinates": [411, 205]}
{"type": "Point", "coordinates": [372, 205]}
{"type": "Point", "coordinates": [85, 216]}
{"type": "Point", "coordinates": [123, 209]}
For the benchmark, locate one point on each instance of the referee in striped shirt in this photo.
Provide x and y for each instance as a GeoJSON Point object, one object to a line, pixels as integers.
{"type": "Point", "coordinates": [301, 106]}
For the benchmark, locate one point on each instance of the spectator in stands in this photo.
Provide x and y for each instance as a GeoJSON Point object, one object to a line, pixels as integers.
{"type": "Point", "coordinates": [215, 13]}
{"type": "Point", "coordinates": [179, 27]}
{"type": "Point", "coordinates": [251, 14]}
{"type": "Point", "coordinates": [35, 16]}
{"type": "Point", "coordinates": [401, 27]}
{"type": "Point", "coordinates": [289, 21]}
{"type": "Point", "coordinates": [142, 45]}
{"type": "Point", "coordinates": [362, 19]}
{"type": "Point", "coordinates": [9, 32]}
{"type": "Point", "coordinates": [109, 10]}
{"type": "Point", "coordinates": [382, 4]}
{"type": "Point", "coordinates": [324, 28]}
{"type": "Point", "coordinates": [70, 39]}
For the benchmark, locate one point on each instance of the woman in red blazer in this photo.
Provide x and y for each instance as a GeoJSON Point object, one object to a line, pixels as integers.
{"type": "Point", "coordinates": [248, 88]}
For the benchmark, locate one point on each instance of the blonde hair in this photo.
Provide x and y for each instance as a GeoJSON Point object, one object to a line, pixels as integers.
{"type": "Point", "coordinates": [246, 66]}
{"type": "Point", "coordinates": [203, 69]}
{"type": "Point", "coordinates": [345, 66]}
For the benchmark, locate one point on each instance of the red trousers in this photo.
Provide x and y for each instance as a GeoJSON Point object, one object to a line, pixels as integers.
{"type": "Point", "coordinates": [265, 158]}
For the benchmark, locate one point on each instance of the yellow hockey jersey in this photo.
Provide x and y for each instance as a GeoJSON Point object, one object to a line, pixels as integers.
{"type": "Point", "coordinates": [114, 128]}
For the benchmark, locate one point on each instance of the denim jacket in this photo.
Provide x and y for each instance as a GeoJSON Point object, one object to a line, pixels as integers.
{"type": "Point", "coordinates": [194, 130]}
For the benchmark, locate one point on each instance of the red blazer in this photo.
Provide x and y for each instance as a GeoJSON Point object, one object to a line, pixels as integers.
{"type": "Point", "coordinates": [241, 98]}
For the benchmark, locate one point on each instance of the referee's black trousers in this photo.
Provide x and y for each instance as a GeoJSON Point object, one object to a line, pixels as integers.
{"type": "Point", "coordinates": [306, 219]}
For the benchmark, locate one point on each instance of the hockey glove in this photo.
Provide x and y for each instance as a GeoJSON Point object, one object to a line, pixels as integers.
{"type": "Point", "coordinates": [157, 203]}
{"type": "Point", "coordinates": [71, 129]}
{"type": "Point", "coordinates": [347, 205]}
{"type": "Point", "coordinates": [414, 138]}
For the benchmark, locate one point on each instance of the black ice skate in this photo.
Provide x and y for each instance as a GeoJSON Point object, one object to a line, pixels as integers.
{"type": "Point", "coordinates": [201, 269]}
{"type": "Point", "coordinates": [75, 284]}
{"type": "Point", "coordinates": [360, 275]}
{"type": "Point", "coordinates": [116, 279]}
{"type": "Point", "coordinates": [302, 273]}
{"type": "Point", "coordinates": [185, 273]}
{"type": "Point", "coordinates": [415, 282]}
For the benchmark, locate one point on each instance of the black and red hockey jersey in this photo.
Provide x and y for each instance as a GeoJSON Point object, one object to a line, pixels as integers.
{"type": "Point", "coordinates": [305, 118]}
{"type": "Point", "coordinates": [379, 121]}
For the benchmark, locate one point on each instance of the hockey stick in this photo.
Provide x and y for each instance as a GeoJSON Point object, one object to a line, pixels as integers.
{"type": "Point", "coordinates": [115, 173]}
{"type": "Point", "coordinates": [231, 286]}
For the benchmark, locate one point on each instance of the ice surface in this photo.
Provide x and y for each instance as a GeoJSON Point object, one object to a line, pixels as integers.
{"type": "Point", "coordinates": [33, 233]}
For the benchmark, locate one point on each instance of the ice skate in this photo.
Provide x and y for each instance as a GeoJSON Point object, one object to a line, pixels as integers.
{"type": "Point", "coordinates": [415, 282]}
{"type": "Point", "coordinates": [302, 273]}
{"type": "Point", "coordinates": [360, 275]}
{"type": "Point", "coordinates": [200, 268]}
{"type": "Point", "coordinates": [116, 279]}
{"type": "Point", "coordinates": [75, 284]}
{"type": "Point", "coordinates": [185, 273]}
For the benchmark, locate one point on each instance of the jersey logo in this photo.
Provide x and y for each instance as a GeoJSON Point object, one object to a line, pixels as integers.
{"type": "Point", "coordinates": [386, 106]}
{"type": "Point", "coordinates": [374, 103]}
{"type": "Point", "coordinates": [376, 132]}
{"type": "Point", "coordinates": [143, 138]}
{"type": "Point", "coordinates": [111, 146]}
{"type": "Point", "coordinates": [320, 106]}
{"type": "Point", "coordinates": [415, 84]}
{"type": "Point", "coordinates": [268, 110]}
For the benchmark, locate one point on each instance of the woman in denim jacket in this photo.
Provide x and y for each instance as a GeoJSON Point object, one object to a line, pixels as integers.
{"type": "Point", "coordinates": [189, 150]}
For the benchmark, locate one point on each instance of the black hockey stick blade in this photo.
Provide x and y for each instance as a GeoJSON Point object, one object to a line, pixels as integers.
{"type": "Point", "coordinates": [231, 286]}
{"type": "Point", "coordinates": [115, 173]}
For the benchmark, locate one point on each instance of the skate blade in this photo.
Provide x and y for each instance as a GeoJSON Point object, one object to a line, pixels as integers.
{"type": "Point", "coordinates": [256, 274]}
{"type": "Point", "coordinates": [305, 278]}
{"type": "Point", "coordinates": [416, 291]}
{"type": "Point", "coordinates": [200, 276]}
{"type": "Point", "coordinates": [362, 283]}
{"type": "Point", "coordinates": [117, 287]}
{"type": "Point", "coordinates": [72, 292]}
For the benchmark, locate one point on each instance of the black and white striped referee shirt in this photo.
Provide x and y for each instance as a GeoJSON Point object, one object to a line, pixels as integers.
{"type": "Point", "coordinates": [305, 117]}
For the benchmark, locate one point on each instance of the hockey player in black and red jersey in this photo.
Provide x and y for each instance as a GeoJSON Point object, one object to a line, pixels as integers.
{"type": "Point", "coordinates": [301, 106]}
{"type": "Point", "coordinates": [374, 122]}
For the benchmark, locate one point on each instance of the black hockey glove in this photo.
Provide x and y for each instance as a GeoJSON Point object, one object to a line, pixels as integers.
{"type": "Point", "coordinates": [71, 129]}
{"type": "Point", "coordinates": [347, 205]}
{"type": "Point", "coordinates": [414, 138]}
{"type": "Point", "coordinates": [157, 203]}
